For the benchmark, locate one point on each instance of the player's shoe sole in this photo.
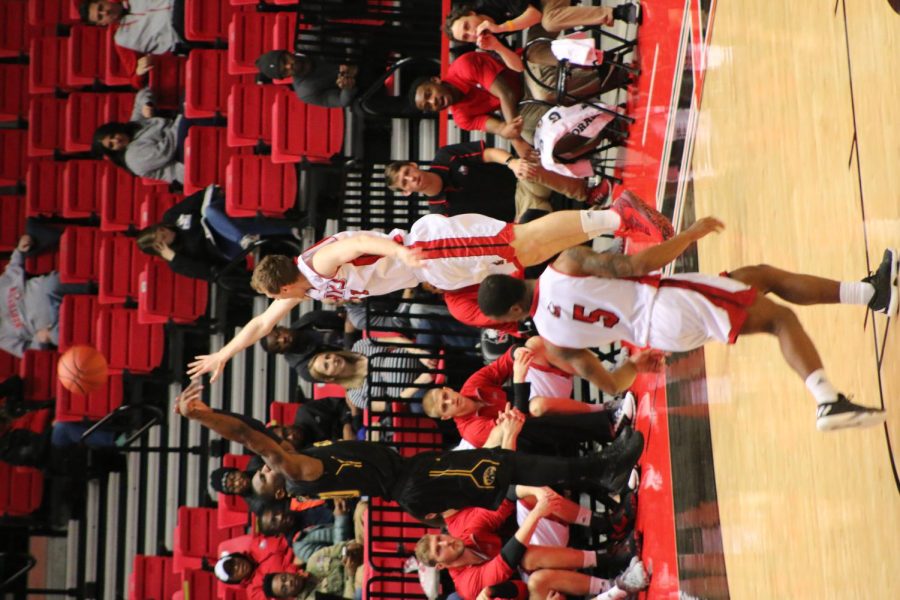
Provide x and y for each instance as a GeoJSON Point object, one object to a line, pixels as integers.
{"type": "Point", "coordinates": [844, 414]}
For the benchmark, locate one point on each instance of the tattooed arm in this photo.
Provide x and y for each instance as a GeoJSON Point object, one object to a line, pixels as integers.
{"type": "Point", "coordinates": [584, 261]}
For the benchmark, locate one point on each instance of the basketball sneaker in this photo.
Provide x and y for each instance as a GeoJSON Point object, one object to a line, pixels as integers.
{"type": "Point", "coordinates": [623, 412]}
{"type": "Point", "coordinates": [635, 578]}
{"type": "Point", "coordinates": [637, 217]}
{"type": "Point", "coordinates": [885, 281]}
{"type": "Point", "coordinates": [621, 520]}
{"type": "Point", "coordinates": [619, 458]}
{"type": "Point", "coordinates": [629, 12]}
{"type": "Point", "coordinates": [842, 414]}
{"type": "Point", "coordinates": [598, 194]}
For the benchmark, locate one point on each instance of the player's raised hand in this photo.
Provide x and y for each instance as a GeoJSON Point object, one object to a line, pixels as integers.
{"type": "Point", "coordinates": [523, 359]}
{"type": "Point", "coordinates": [703, 227]}
{"type": "Point", "coordinates": [189, 403]}
{"type": "Point", "coordinates": [648, 361]}
{"type": "Point", "coordinates": [207, 363]}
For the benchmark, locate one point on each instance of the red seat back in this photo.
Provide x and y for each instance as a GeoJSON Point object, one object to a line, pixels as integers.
{"type": "Point", "coordinates": [77, 315]}
{"type": "Point", "coordinates": [126, 343]}
{"type": "Point", "coordinates": [249, 108]}
{"type": "Point", "coordinates": [303, 131]}
{"type": "Point", "coordinates": [255, 185]}
{"type": "Point", "coordinates": [152, 578]}
{"type": "Point", "coordinates": [12, 225]}
{"type": "Point", "coordinates": [48, 58]}
{"type": "Point", "coordinates": [49, 12]}
{"type": "Point", "coordinates": [120, 265]}
{"type": "Point", "coordinates": [13, 28]}
{"type": "Point", "coordinates": [12, 156]}
{"type": "Point", "coordinates": [14, 99]}
{"type": "Point", "coordinates": [38, 371]}
{"type": "Point", "coordinates": [46, 125]}
{"type": "Point", "coordinates": [206, 20]}
{"type": "Point", "coordinates": [87, 55]}
{"type": "Point", "coordinates": [81, 187]}
{"type": "Point", "coordinates": [43, 189]}
{"type": "Point", "coordinates": [283, 412]}
{"type": "Point", "coordinates": [21, 489]}
{"type": "Point", "coordinates": [85, 112]}
{"type": "Point", "coordinates": [164, 295]}
{"type": "Point", "coordinates": [94, 406]}
{"type": "Point", "coordinates": [78, 248]}
{"type": "Point", "coordinates": [207, 83]}
{"type": "Point", "coordinates": [206, 155]}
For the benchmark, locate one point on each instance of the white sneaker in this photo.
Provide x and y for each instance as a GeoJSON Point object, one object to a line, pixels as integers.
{"type": "Point", "coordinates": [624, 414]}
{"type": "Point", "coordinates": [634, 578]}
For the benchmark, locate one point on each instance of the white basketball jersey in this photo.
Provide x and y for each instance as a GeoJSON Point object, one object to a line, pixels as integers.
{"type": "Point", "coordinates": [457, 252]}
{"type": "Point", "coordinates": [366, 276]}
{"type": "Point", "coordinates": [585, 312]}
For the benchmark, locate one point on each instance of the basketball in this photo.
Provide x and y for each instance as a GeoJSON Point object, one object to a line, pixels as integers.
{"type": "Point", "coordinates": [82, 370]}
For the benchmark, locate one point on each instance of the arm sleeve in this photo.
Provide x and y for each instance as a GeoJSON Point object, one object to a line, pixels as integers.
{"type": "Point", "coordinates": [12, 343]}
{"type": "Point", "coordinates": [463, 305]}
{"type": "Point", "coordinates": [343, 528]}
{"type": "Point", "coordinates": [144, 96]}
{"type": "Point", "coordinates": [492, 375]}
{"type": "Point", "coordinates": [466, 153]}
{"type": "Point", "coordinates": [521, 395]}
{"type": "Point", "coordinates": [514, 588]}
{"type": "Point", "coordinates": [154, 157]}
{"type": "Point", "coordinates": [512, 553]}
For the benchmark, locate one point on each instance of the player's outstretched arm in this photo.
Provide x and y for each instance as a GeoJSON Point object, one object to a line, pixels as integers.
{"type": "Point", "coordinates": [255, 329]}
{"type": "Point", "coordinates": [330, 258]}
{"type": "Point", "coordinates": [296, 466]}
{"type": "Point", "coordinates": [588, 366]}
{"type": "Point", "coordinates": [584, 261]}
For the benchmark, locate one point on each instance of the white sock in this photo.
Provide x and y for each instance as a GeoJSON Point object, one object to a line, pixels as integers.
{"type": "Point", "coordinates": [583, 517]}
{"type": "Point", "coordinates": [612, 593]}
{"type": "Point", "coordinates": [856, 292]}
{"type": "Point", "coordinates": [597, 222]}
{"type": "Point", "coordinates": [821, 388]}
{"type": "Point", "coordinates": [598, 586]}
{"type": "Point", "coordinates": [588, 559]}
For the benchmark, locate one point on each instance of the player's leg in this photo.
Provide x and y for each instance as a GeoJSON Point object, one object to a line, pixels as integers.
{"type": "Point", "coordinates": [878, 291]}
{"type": "Point", "coordinates": [835, 411]}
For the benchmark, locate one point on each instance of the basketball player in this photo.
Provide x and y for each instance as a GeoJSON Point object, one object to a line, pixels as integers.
{"type": "Point", "coordinates": [587, 299]}
{"type": "Point", "coordinates": [429, 482]}
{"type": "Point", "coordinates": [447, 252]}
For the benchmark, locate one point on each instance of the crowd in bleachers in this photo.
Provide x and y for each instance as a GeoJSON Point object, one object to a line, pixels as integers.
{"type": "Point", "coordinates": [150, 146]}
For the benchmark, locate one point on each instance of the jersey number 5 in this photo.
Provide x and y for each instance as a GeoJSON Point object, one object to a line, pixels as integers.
{"type": "Point", "coordinates": [609, 319]}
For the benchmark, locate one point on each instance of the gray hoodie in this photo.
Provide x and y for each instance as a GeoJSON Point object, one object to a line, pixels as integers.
{"type": "Point", "coordinates": [147, 27]}
{"type": "Point", "coordinates": [152, 151]}
{"type": "Point", "coordinates": [26, 306]}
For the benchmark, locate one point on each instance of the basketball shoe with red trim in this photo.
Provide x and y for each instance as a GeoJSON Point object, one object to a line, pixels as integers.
{"type": "Point", "coordinates": [639, 218]}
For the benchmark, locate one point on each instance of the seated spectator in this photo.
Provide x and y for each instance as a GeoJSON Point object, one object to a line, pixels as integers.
{"type": "Point", "coordinates": [232, 481]}
{"type": "Point", "coordinates": [316, 80]}
{"type": "Point", "coordinates": [554, 419]}
{"type": "Point", "coordinates": [308, 530]}
{"type": "Point", "coordinates": [196, 237]}
{"type": "Point", "coordinates": [29, 311]}
{"type": "Point", "coordinates": [482, 565]}
{"type": "Point", "coordinates": [144, 27]}
{"type": "Point", "coordinates": [470, 178]}
{"type": "Point", "coordinates": [330, 570]}
{"type": "Point", "coordinates": [247, 559]}
{"type": "Point", "coordinates": [466, 22]}
{"type": "Point", "coordinates": [313, 330]}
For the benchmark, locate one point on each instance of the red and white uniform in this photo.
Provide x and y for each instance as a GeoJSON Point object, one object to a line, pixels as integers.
{"type": "Point", "coordinates": [676, 313]}
{"type": "Point", "coordinates": [457, 252]}
{"type": "Point", "coordinates": [548, 381]}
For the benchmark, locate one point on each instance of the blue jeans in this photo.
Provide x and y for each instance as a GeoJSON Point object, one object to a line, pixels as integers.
{"type": "Point", "coordinates": [68, 433]}
{"type": "Point", "coordinates": [229, 230]}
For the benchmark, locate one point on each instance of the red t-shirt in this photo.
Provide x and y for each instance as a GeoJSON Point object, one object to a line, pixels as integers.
{"type": "Point", "coordinates": [486, 384]}
{"type": "Point", "coordinates": [271, 554]}
{"type": "Point", "coordinates": [473, 74]}
{"type": "Point", "coordinates": [477, 528]}
{"type": "Point", "coordinates": [463, 305]}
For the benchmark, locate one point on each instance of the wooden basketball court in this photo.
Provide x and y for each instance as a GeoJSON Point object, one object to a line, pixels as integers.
{"type": "Point", "coordinates": [797, 149]}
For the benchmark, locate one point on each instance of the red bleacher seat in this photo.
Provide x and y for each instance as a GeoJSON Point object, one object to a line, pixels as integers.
{"type": "Point", "coordinates": [196, 585]}
{"type": "Point", "coordinates": [196, 536]}
{"type": "Point", "coordinates": [50, 12]}
{"type": "Point", "coordinates": [12, 155]}
{"type": "Point", "coordinates": [94, 406]}
{"type": "Point", "coordinates": [206, 83]}
{"type": "Point", "coordinates": [9, 364]}
{"type": "Point", "coordinates": [13, 28]}
{"type": "Point", "coordinates": [43, 189]}
{"type": "Point", "coordinates": [250, 113]}
{"type": "Point", "coordinates": [77, 315]}
{"type": "Point", "coordinates": [120, 265]}
{"type": "Point", "coordinates": [21, 489]}
{"type": "Point", "coordinates": [126, 343]}
{"type": "Point", "coordinates": [120, 193]}
{"type": "Point", "coordinates": [14, 98]}
{"type": "Point", "coordinates": [12, 225]}
{"type": "Point", "coordinates": [48, 58]}
{"type": "Point", "coordinates": [283, 412]}
{"type": "Point", "coordinates": [87, 55]}
{"type": "Point", "coordinates": [78, 249]}
{"type": "Point", "coordinates": [303, 131]}
{"type": "Point", "coordinates": [114, 70]}
{"type": "Point", "coordinates": [152, 578]}
{"type": "Point", "coordinates": [328, 390]}
{"type": "Point", "coordinates": [43, 263]}
{"type": "Point", "coordinates": [255, 185]}
{"type": "Point", "coordinates": [167, 80]}
{"type": "Point", "coordinates": [38, 371]}
{"type": "Point", "coordinates": [154, 205]}
{"type": "Point", "coordinates": [206, 20]}
{"type": "Point", "coordinates": [250, 34]}
{"type": "Point", "coordinates": [46, 125]}
{"type": "Point", "coordinates": [164, 296]}
{"type": "Point", "coordinates": [206, 155]}
{"type": "Point", "coordinates": [413, 434]}
{"type": "Point", "coordinates": [81, 187]}
{"type": "Point", "coordinates": [232, 509]}
{"type": "Point", "coordinates": [86, 111]}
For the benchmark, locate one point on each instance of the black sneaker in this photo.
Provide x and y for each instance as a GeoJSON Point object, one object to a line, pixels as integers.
{"type": "Point", "coordinates": [620, 457]}
{"type": "Point", "coordinates": [617, 556]}
{"type": "Point", "coordinates": [630, 12]}
{"type": "Point", "coordinates": [842, 414]}
{"type": "Point", "coordinates": [887, 293]}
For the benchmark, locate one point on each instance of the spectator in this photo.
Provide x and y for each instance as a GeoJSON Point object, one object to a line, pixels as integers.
{"type": "Point", "coordinates": [196, 237]}
{"type": "Point", "coordinates": [308, 531]}
{"type": "Point", "coordinates": [330, 570]}
{"type": "Point", "coordinates": [468, 177]}
{"type": "Point", "coordinates": [318, 421]}
{"type": "Point", "coordinates": [312, 331]}
{"type": "Point", "coordinates": [316, 80]}
{"type": "Point", "coordinates": [29, 311]}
